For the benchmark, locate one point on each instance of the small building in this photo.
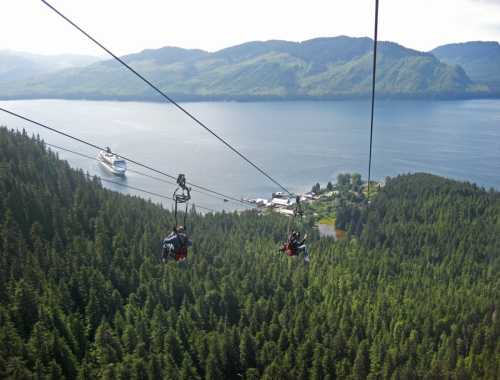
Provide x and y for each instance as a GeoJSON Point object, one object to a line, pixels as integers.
{"type": "Point", "coordinates": [309, 195]}
{"type": "Point", "coordinates": [280, 194]}
{"type": "Point", "coordinates": [280, 202]}
{"type": "Point", "coordinates": [261, 202]}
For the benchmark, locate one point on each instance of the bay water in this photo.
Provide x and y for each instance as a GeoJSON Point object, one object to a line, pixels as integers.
{"type": "Point", "coordinates": [298, 143]}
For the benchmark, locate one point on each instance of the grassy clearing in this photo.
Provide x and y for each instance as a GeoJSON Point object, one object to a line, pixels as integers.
{"type": "Point", "coordinates": [327, 220]}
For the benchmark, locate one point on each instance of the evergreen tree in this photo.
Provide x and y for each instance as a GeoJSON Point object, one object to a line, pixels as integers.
{"type": "Point", "coordinates": [187, 371]}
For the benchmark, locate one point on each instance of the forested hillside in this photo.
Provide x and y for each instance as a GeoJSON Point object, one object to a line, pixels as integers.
{"type": "Point", "coordinates": [480, 60]}
{"type": "Point", "coordinates": [320, 68]}
{"type": "Point", "coordinates": [83, 294]}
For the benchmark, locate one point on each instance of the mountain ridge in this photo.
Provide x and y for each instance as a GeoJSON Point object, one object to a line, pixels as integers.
{"type": "Point", "coordinates": [480, 59]}
{"type": "Point", "coordinates": [319, 68]}
{"type": "Point", "coordinates": [17, 65]}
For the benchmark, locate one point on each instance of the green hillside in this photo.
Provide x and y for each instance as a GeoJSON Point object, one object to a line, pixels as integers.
{"type": "Point", "coordinates": [321, 68]}
{"type": "Point", "coordinates": [480, 60]}
{"type": "Point", "coordinates": [84, 295]}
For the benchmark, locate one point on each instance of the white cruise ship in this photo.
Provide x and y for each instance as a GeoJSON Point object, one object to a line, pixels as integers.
{"type": "Point", "coordinates": [112, 162]}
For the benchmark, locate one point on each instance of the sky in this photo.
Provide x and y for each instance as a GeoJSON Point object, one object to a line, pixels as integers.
{"type": "Point", "coordinates": [128, 26]}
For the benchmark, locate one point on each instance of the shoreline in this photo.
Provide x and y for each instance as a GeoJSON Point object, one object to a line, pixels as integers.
{"type": "Point", "coordinates": [261, 99]}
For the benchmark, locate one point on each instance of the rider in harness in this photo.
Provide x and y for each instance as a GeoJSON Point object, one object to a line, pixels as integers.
{"type": "Point", "coordinates": [176, 245]}
{"type": "Point", "coordinates": [294, 246]}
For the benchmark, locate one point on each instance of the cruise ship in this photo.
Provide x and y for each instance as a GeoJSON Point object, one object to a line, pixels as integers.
{"type": "Point", "coordinates": [112, 162]}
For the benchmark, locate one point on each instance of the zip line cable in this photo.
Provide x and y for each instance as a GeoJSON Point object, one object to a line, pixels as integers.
{"type": "Point", "coordinates": [150, 193]}
{"type": "Point", "coordinates": [130, 170]}
{"type": "Point", "coordinates": [124, 157]}
{"type": "Point", "coordinates": [124, 184]}
{"type": "Point", "coordinates": [169, 99]}
{"type": "Point", "coordinates": [375, 40]}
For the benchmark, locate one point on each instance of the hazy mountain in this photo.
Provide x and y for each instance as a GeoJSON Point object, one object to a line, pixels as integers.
{"type": "Point", "coordinates": [480, 60]}
{"type": "Point", "coordinates": [19, 65]}
{"type": "Point", "coordinates": [322, 68]}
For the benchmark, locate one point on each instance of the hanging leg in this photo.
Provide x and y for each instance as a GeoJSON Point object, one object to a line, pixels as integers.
{"type": "Point", "coordinates": [303, 249]}
{"type": "Point", "coordinates": [167, 252]}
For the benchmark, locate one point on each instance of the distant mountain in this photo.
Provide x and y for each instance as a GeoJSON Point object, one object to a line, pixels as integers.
{"type": "Point", "coordinates": [480, 60]}
{"type": "Point", "coordinates": [322, 68]}
{"type": "Point", "coordinates": [19, 65]}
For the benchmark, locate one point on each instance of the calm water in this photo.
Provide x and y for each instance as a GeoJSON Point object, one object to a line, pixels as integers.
{"type": "Point", "coordinates": [299, 143]}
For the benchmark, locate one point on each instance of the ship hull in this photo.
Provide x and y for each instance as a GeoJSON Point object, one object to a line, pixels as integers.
{"type": "Point", "coordinates": [113, 170]}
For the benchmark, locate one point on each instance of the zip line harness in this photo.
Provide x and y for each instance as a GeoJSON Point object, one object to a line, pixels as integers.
{"type": "Point", "coordinates": [176, 245]}
{"type": "Point", "coordinates": [287, 247]}
{"type": "Point", "coordinates": [297, 211]}
{"type": "Point", "coordinates": [181, 195]}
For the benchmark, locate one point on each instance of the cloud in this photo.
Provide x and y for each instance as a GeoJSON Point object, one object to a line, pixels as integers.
{"type": "Point", "coordinates": [493, 28]}
{"type": "Point", "coordinates": [492, 2]}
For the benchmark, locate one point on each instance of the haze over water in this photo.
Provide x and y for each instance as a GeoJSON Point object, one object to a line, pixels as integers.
{"type": "Point", "coordinates": [298, 143]}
